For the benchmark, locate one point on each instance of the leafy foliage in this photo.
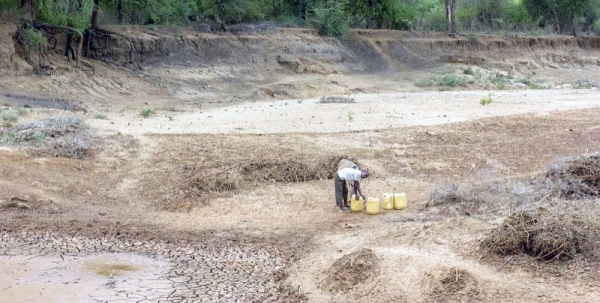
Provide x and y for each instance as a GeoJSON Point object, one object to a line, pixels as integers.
{"type": "Point", "coordinates": [330, 18]}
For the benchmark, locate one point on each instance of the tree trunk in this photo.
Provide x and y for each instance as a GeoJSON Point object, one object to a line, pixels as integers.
{"type": "Point", "coordinates": [94, 20]}
{"type": "Point", "coordinates": [29, 7]}
{"type": "Point", "coordinates": [572, 24]}
{"type": "Point", "coordinates": [556, 21]}
{"type": "Point", "coordinates": [120, 11]}
{"type": "Point", "coordinates": [450, 9]}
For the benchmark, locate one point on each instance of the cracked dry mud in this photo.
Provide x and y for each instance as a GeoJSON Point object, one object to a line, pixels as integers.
{"type": "Point", "coordinates": [81, 269]}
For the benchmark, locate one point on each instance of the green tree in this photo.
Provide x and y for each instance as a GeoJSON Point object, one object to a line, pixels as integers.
{"type": "Point", "coordinates": [390, 14]}
{"type": "Point", "coordinates": [232, 11]}
{"type": "Point", "coordinates": [330, 18]}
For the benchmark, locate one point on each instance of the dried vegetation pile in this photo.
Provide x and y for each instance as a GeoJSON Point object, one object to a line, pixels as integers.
{"type": "Point", "coordinates": [205, 181]}
{"type": "Point", "coordinates": [543, 234]}
{"type": "Point", "coordinates": [68, 137]}
{"type": "Point", "coordinates": [577, 178]}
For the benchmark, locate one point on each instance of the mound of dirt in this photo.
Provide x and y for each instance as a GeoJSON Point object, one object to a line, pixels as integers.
{"type": "Point", "coordinates": [542, 234]}
{"type": "Point", "coordinates": [578, 178]}
{"type": "Point", "coordinates": [451, 285]}
{"type": "Point", "coordinates": [350, 270]}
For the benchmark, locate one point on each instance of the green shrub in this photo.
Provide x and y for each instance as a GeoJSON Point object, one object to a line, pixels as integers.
{"type": "Point", "coordinates": [487, 100]}
{"type": "Point", "coordinates": [100, 116]}
{"type": "Point", "coordinates": [147, 112]}
{"type": "Point", "coordinates": [426, 82]}
{"type": "Point", "coordinates": [330, 19]}
{"type": "Point", "coordinates": [453, 81]}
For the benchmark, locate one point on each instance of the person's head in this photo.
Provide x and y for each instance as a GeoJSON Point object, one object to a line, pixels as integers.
{"type": "Point", "coordinates": [364, 174]}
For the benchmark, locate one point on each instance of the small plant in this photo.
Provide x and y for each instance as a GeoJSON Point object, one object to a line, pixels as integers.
{"type": "Point", "coordinates": [469, 71]}
{"type": "Point", "coordinates": [147, 112]}
{"type": "Point", "coordinates": [453, 81]}
{"type": "Point", "coordinates": [350, 116]}
{"type": "Point", "coordinates": [153, 27]}
{"type": "Point", "coordinates": [530, 83]}
{"type": "Point", "coordinates": [501, 86]}
{"type": "Point", "coordinates": [100, 116]}
{"type": "Point", "coordinates": [37, 138]}
{"type": "Point", "coordinates": [286, 103]}
{"type": "Point", "coordinates": [487, 100]}
{"type": "Point", "coordinates": [300, 101]}
{"type": "Point", "coordinates": [425, 82]}
{"type": "Point", "coordinates": [170, 117]}
{"type": "Point", "coordinates": [10, 138]}
{"type": "Point", "coordinates": [8, 117]}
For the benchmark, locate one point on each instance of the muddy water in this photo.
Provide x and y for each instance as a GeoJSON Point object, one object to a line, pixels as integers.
{"type": "Point", "coordinates": [96, 278]}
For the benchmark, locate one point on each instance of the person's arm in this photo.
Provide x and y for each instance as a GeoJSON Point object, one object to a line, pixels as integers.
{"type": "Point", "coordinates": [357, 190]}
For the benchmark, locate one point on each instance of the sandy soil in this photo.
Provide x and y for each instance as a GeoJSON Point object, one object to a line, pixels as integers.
{"type": "Point", "coordinates": [135, 201]}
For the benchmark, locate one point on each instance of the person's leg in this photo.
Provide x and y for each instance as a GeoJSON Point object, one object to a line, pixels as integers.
{"type": "Point", "coordinates": [345, 192]}
{"type": "Point", "coordinates": [339, 191]}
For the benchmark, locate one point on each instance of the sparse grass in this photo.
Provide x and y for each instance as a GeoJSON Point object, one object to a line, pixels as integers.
{"type": "Point", "coordinates": [8, 116]}
{"type": "Point", "coordinates": [469, 71]}
{"type": "Point", "coordinates": [350, 116]}
{"type": "Point", "coordinates": [10, 138]}
{"type": "Point", "coordinates": [487, 100]}
{"type": "Point", "coordinates": [147, 112]}
{"type": "Point", "coordinates": [100, 116]}
{"type": "Point", "coordinates": [530, 83]}
{"type": "Point", "coordinates": [501, 86]}
{"type": "Point", "coordinates": [22, 112]}
{"type": "Point", "coordinates": [425, 82]}
{"type": "Point", "coordinates": [450, 81]}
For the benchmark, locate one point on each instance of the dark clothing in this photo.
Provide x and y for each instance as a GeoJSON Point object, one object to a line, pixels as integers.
{"type": "Point", "coordinates": [341, 190]}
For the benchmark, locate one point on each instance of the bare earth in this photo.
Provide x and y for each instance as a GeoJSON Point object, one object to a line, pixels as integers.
{"type": "Point", "coordinates": [127, 224]}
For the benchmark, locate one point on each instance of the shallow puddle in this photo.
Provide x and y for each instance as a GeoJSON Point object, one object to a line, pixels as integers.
{"type": "Point", "coordinates": [97, 278]}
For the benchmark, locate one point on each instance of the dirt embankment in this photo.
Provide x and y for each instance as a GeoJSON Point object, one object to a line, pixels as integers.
{"type": "Point", "coordinates": [11, 64]}
{"type": "Point", "coordinates": [365, 51]}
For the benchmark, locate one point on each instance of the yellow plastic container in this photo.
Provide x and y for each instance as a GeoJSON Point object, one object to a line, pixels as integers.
{"type": "Point", "coordinates": [387, 201]}
{"type": "Point", "coordinates": [400, 201]}
{"type": "Point", "coordinates": [372, 206]}
{"type": "Point", "coordinates": [356, 206]}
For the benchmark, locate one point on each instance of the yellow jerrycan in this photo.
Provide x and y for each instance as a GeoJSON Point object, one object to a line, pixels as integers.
{"type": "Point", "coordinates": [372, 206]}
{"type": "Point", "coordinates": [400, 201]}
{"type": "Point", "coordinates": [387, 201]}
{"type": "Point", "coordinates": [356, 206]}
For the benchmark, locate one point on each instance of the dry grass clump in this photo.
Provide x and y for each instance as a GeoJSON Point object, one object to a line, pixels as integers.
{"type": "Point", "coordinates": [291, 171]}
{"type": "Point", "coordinates": [578, 178]}
{"type": "Point", "coordinates": [544, 234]}
{"type": "Point", "coordinates": [68, 137]}
{"type": "Point", "coordinates": [350, 270]}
